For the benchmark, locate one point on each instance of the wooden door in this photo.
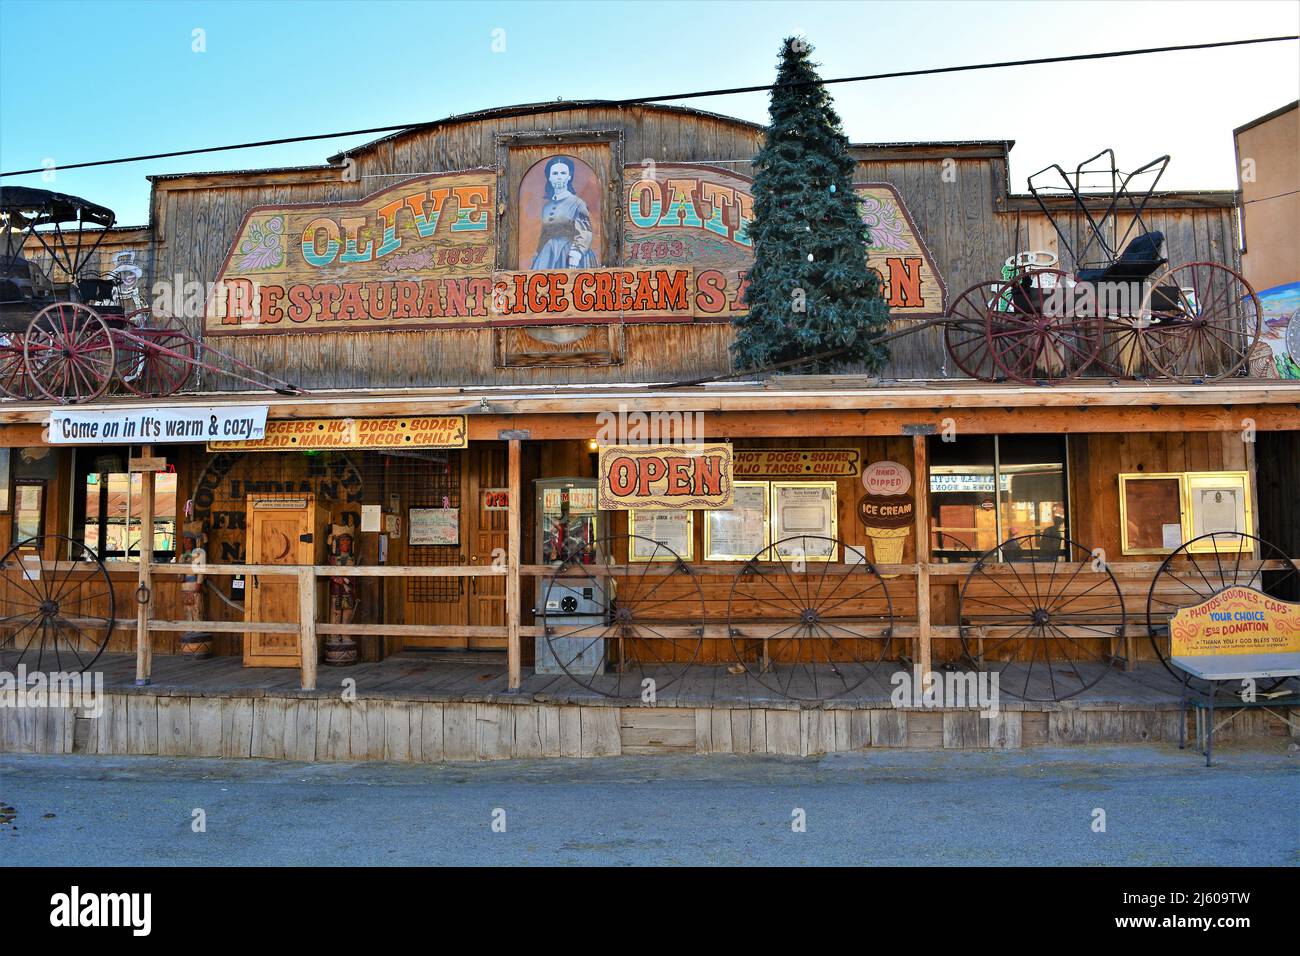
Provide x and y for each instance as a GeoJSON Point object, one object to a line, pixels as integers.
{"type": "Point", "coordinates": [487, 539]}
{"type": "Point", "coordinates": [281, 530]}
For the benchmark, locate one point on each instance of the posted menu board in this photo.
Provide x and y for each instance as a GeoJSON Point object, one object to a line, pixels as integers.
{"type": "Point", "coordinates": [674, 530]}
{"type": "Point", "coordinates": [434, 526]}
{"type": "Point", "coordinates": [805, 512]}
{"type": "Point", "coordinates": [741, 531]}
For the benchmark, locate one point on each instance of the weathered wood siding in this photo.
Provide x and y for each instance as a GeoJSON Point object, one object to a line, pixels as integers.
{"type": "Point", "coordinates": [965, 218]}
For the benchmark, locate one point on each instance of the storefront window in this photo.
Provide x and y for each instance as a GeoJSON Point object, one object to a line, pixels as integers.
{"type": "Point", "coordinates": [29, 509]}
{"type": "Point", "coordinates": [988, 489]}
{"type": "Point", "coordinates": [111, 505]}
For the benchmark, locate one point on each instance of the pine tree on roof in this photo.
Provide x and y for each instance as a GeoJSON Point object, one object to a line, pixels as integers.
{"type": "Point", "coordinates": [810, 290]}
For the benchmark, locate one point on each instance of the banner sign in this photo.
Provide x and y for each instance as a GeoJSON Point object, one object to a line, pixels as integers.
{"type": "Point", "coordinates": [797, 462]}
{"type": "Point", "coordinates": [427, 431]}
{"type": "Point", "coordinates": [416, 254]}
{"type": "Point", "coordinates": [420, 254]}
{"type": "Point", "coordinates": [156, 426]}
{"type": "Point", "coordinates": [1237, 620]}
{"type": "Point", "coordinates": [665, 477]}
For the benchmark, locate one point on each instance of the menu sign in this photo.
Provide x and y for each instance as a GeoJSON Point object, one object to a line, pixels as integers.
{"type": "Point", "coordinates": [739, 532]}
{"type": "Point", "coordinates": [797, 462]}
{"type": "Point", "coordinates": [434, 526]}
{"type": "Point", "coordinates": [424, 431]}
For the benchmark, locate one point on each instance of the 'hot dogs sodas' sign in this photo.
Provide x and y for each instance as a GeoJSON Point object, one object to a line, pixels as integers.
{"type": "Point", "coordinates": [665, 477]}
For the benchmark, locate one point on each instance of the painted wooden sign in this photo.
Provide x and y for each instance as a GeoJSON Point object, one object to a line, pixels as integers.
{"type": "Point", "coordinates": [1237, 620]}
{"type": "Point", "coordinates": [596, 295]}
{"type": "Point", "coordinates": [886, 478]}
{"type": "Point", "coordinates": [665, 477]}
{"type": "Point", "coordinates": [416, 254]}
{"type": "Point", "coordinates": [423, 431]}
{"type": "Point", "coordinates": [796, 462]}
{"type": "Point", "coordinates": [420, 254]}
{"type": "Point", "coordinates": [680, 214]}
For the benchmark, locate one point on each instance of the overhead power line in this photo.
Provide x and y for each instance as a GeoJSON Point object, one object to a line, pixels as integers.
{"type": "Point", "coordinates": [640, 100]}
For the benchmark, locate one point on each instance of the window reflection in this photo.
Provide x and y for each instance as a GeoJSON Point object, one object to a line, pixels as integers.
{"type": "Point", "coordinates": [986, 490]}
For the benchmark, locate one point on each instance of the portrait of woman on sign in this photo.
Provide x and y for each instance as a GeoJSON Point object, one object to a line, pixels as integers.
{"type": "Point", "coordinates": [566, 237]}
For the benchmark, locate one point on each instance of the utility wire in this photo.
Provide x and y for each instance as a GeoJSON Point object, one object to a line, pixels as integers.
{"type": "Point", "coordinates": [636, 101]}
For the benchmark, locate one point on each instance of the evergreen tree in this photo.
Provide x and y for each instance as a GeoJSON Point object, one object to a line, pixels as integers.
{"type": "Point", "coordinates": [810, 290]}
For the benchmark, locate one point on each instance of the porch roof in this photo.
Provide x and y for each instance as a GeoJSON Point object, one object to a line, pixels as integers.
{"type": "Point", "coordinates": [801, 393]}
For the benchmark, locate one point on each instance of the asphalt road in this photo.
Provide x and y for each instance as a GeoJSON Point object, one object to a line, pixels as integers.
{"type": "Point", "coordinates": [875, 808]}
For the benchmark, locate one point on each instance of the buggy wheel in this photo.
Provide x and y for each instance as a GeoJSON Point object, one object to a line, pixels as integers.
{"type": "Point", "coordinates": [155, 354]}
{"type": "Point", "coordinates": [1032, 340]}
{"type": "Point", "coordinates": [1065, 622]}
{"type": "Point", "coordinates": [965, 333]}
{"type": "Point", "coordinates": [1205, 566]}
{"type": "Point", "coordinates": [647, 622]}
{"type": "Point", "coordinates": [14, 382]}
{"type": "Point", "coordinates": [815, 632]}
{"type": "Point", "coordinates": [1199, 322]}
{"type": "Point", "coordinates": [55, 613]}
{"type": "Point", "coordinates": [69, 353]}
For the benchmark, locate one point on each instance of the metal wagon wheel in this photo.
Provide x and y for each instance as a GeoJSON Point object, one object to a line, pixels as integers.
{"type": "Point", "coordinates": [965, 333]}
{"type": "Point", "coordinates": [811, 633]}
{"type": "Point", "coordinates": [155, 354]}
{"type": "Point", "coordinates": [1189, 577]}
{"type": "Point", "coordinates": [14, 382]}
{"type": "Point", "coordinates": [55, 612]}
{"type": "Point", "coordinates": [1066, 623]}
{"type": "Point", "coordinates": [69, 353]}
{"type": "Point", "coordinates": [1198, 322]}
{"type": "Point", "coordinates": [651, 622]}
{"type": "Point", "coordinates": [1030, 342]}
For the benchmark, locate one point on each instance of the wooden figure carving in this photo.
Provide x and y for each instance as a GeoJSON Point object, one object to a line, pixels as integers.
{"type": "Point", "coordinates": [341, 649]}
{"type": "Point", "coordinates": [194, 644]}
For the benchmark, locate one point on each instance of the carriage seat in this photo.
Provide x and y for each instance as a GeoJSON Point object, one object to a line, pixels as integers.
{"type": "Point", "coordinates": [1138, 261]}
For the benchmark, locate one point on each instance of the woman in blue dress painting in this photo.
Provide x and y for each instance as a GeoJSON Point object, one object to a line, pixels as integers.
{"type": "Point", "coordinates": [566, 237]}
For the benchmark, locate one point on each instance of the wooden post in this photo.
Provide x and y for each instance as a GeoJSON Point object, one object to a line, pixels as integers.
{"type": "Point", "coordinates": [143, 644]}
{"type": "Point", "coordinates": [921, 491]}
{"type": "Point", "coordinates": [307, 625]}
{"type": "Point", "coordinates": [514, 654]}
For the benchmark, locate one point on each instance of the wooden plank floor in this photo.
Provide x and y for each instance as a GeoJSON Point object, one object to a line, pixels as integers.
{"type": "Point", "coordinates": [408, 677]}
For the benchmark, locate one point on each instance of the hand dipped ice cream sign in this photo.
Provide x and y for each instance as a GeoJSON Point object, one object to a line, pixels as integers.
{"type": "Point", "coordinates": [421, 254]}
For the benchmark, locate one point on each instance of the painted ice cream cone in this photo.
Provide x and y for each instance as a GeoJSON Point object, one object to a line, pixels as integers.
{"type": "Point", "coordinates": [888, 522]}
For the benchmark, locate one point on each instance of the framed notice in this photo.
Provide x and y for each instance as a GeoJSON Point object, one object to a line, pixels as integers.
{"type": "Point", "coordinates": [804, 511]}
{"type": "Point", "coordinates": [1219, 501]}
{"type": "Point", "coordinates": [4, 478]}
{"type": "Point", "coordinates": [1151, 510]}
{"type": "Point", "coordinates": [434, 526]}
{"type": "Point", "coordinates": [741, 531]}
{"type": "Point", "coordinates": [674, 530]}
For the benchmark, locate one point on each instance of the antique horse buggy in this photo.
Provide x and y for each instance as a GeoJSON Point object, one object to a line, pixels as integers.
{"type": "Point", "coordinates": [69, 340]}
{"type": "Point", "coordinates": [1122, 313]}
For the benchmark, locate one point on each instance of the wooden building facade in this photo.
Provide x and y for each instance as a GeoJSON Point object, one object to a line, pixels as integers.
{"type": "Point", "coordinates": [343, 279]}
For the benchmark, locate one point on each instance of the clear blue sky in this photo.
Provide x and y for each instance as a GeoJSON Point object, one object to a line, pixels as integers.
{"type": "Point", "coordinates": [84, 81]}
